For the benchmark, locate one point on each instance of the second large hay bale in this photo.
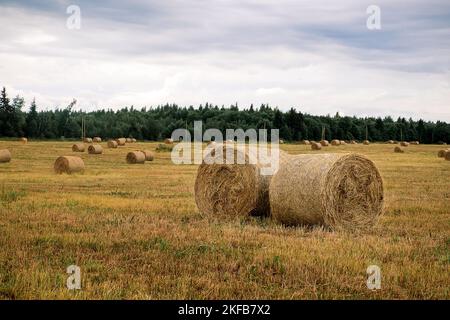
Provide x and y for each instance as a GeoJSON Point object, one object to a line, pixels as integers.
{"type": "Point", "coordinates": [95, 149]}
{"type": "Point", "coordinates": [340, 191]}
{"type": "Point", "coordinates": [5, 156]}
{"type": "Point", "coordinates": [135, 157]}
{"type": "Point", "coordinates": [69, 165]}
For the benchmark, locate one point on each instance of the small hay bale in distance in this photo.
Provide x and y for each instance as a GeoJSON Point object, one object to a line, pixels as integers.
{"type": "Point", "coordinates": [87, 140]}
{"type": "Point", "coordinates": [112, 144]}
{"type": "Point", "coordinates": [134, 157]}
{"type": "Point", "coordinates": [343, 142]}
{"type": "Point", "coordinates": [237, 189]}
{"type": "Point", "coordinates": [366, 142]}
{"type": "Point", "coordinates": [5, 156]}
{"type": "Point", "coordinates": [95, 149]}
{"type": "Point", "coordinates": [339, 191]}
{"type": "Point", "coordinates": [306, 142]}
{"type": "Point", "coordinates": [23, 140]}
{"type": "Point", "coordinates": [69, 165]}
{"type": "Point", "coordinates": [281, 141]}
{"type": "Point", "coordinates": [168, 141]}
{"type": "Point", "coordinates": [414, 143]}
{"type": "Point", "coordinates": [133, 140]}
{"type": "Point", "coordinates": [404, 144]}
{"type": "Point", "coordinates": [397, 149]}
{"type": "Point", "coordinates": [128, 140]}
{"type": "Point", "coordinates": [353, 142]}
{"type": "Point", "coordinates": [324, 143]}
{"type": "Point", "coordinates": [149, 155]}
{"type": "Point", "coordinates": [316, 146]}
{"type": "Point", "coordinates": [121, 141]}
{"type": "Point", "coordinates": [97, 139]}
{"type": "Point", "coordinates": [78, 147]}
{"type": "Point", "coordinates": [335, 142]}
{"type": "Point", "coordinates": [442, 153]}
{"type": "Point", "coordinates": [390, 142]}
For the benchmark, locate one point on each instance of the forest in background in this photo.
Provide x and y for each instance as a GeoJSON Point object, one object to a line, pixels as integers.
{"type": "Point", "coordinates": [156, 123]}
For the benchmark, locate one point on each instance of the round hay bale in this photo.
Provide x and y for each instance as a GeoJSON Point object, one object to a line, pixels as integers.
{"type": "Point", "coordinates": [149, 155]}
{"type": "Point", "coordinates": [112, 144]}
{"type": "Point", "coordinates": [281, 141]}
{"type": "Point", "coordinates": [390, 142]}
{"type": "Point", "coordinates": [447, 155]}
{"type": "Point", "coordinates": [78, 147]}
{"type": "Point", "coordinates": [23, 140]}
{"type": "Point", "coordinates": [95, 149]}
{"type": "Point", "coordinates": [340, 191]}
{"type": "Point", "coordinates": [335, 142]}
{"type": "Point", "coordinates": [307, 142]}
{"type": "Point", "coordinates": [316, 146]}
{"type": "Point", "coordinates": [353, 142]}
{"type": "Point", "coordinates": [97, 139]}
{"type": "Point", "coordinates": [398, 149]}
{"type": "Point", "coordinates": [366, 142]}
{"type": "Point", "coordinates": [168, 141]}
{"type": "Point", "coordinates": [343, 142]}
{"type": "Point", "coordinates": [69, 164]}
{"type": "Point", "coordinates": [324, 143]}
{"type": "Point", "coordinates": [5, 156]}
{"type": "Point", "coordinates": [128, 140]}
{"type": "Point", "coordinates": [442, 152]}
{"type": "Point", "coordinates": [133, 140]}
{"type": "Point", "coordinates": [134, 157]}
{"type": "Point", "coordinates": [121, 141]}
{"type": "Point", "coordinates": [404, 144]}
{"type": "Point", "coordinates": [414, 143]}
{"type": "Point", "coordinates": [88, 140]}
{"type": "Point", "coordinates": [232, 189]}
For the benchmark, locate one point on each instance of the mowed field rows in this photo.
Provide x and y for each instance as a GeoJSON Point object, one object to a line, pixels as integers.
{"type": "Point", "coordinates": [136, 233]}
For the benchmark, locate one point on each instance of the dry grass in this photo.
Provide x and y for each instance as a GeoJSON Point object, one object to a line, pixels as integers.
{"type": "Point", "coordinates": [136, 233]}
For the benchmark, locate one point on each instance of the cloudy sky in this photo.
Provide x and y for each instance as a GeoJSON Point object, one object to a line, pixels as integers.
{"type": "Point", "coordinates": [318, 56]}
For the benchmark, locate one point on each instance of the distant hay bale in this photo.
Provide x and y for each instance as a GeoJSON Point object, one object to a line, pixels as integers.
{"type": "Point", "coordinates": [128, 140]}
{"type": "Point", "coordinates": [133, 140]}
{"type": "Point", "coordinates": [112, 144]}
{"type": "Point", "coordinates": [398, 149]}
{"type": "Point", "coordinates": [134, 157]}
{"type": "Point", "coordinates": [5, 156]}
{"type": "Point", "coordinates": [343, 142]}
{"type": "Point", "coordinates": [78, 147]}
{"type": "Point", "coordinates": [324, 143]}
{"type": "Point", "coordinates": [68, 164]}
{"type": "Point", "coordinates": [95, 149]}
{"type": "Point", "coordinates": [168, 141]}
{"type": "Point", "coordinates": [307, 142]}
{"type": "Point", "coordinates": [233, 189]}
{"type": "Point", "coordinates": [149, 155]}
{"type": "Point", "coordinates": [414, 143]}
{"type": "Point", "coordinates": [366, 142]}
{"type": "Point", "coordinates": [340, 191]}
{"type": "Point", "coordinates": [164, 148]}
{"type": "Point", "coordinates": [281, 141]}
{"type": "Point", "coordinates": [316, 146]}
{"type": "Point", "coordinates": [404, 144]}
{"type": "Point", "coordinates": [335, 142]}
{"type": "Point", "coordinates": [121, 141]}
{"type": "Point", "coordinates": [390, 142]}
{"type": "Point", "coordinates": [447, 155]}
{"type": "Point", "coordinates": [443, 152]}
{"type": "Point", "coordinates": [23, 140]}
{"type": "Point", "coordinates": [97, 139]}
{"type": "Point", "coordinates": [88, 140]}
{"type": "Point", "coordinates": [353, 142]}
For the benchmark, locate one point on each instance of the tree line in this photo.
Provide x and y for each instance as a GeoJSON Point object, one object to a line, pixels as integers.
{"type": "Point", "coordinates": [156, 123]}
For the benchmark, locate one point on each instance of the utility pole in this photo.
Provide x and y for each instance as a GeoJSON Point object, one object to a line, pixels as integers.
{"type": "Point", "coordinates": [323, 132]}
{"type": "Point", "coordinates": [367, 133]}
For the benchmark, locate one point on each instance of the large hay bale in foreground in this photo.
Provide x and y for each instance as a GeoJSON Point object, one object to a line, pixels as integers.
{"type": "Point", "coordinates": [68, 164]}
{"type": "Point", "coordinates": [87, 140]}
{"type": "Point", "coordinates": [78, 147]}
{"type": "Point", "coordinates": [335, 142]}
{"type": "Point", "coordinates": [316, 146]}
{"type": "Point", "coordinates": [121, 141]}
{"type": "Point", "coordinates": [149, 155]}
{"type": "Point", "coordinates": [442, 153]}
{"type": "Point", "coordinates": [134, 157]}
{"type": "Point", "coordinates": [5, 156]}
{"type": "Point", "coordinates": [95, 149]}
{"type": "Point", "coordinates": [112, 144]}
{"type": "Point", "coordinates": [340, 191]}
{"type": "Point", "coordinates": [97, 139]}
{"type": "Point", "coordinates": [398, 149]}
{"type": "Point", "coordinates": [233, 189]}
{"type": "Point", "coordinates": [366, 142]}
{"type": "Point", "coordinates": [404, 144]}
{"type": "Point", "coordinates": [324, 143]}
{"type": "Point", "coordinates": [23, 140]}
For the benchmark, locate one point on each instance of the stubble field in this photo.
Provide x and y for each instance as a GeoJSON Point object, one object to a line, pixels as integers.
{"type": "Point", "coordinates": [136, 233]}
